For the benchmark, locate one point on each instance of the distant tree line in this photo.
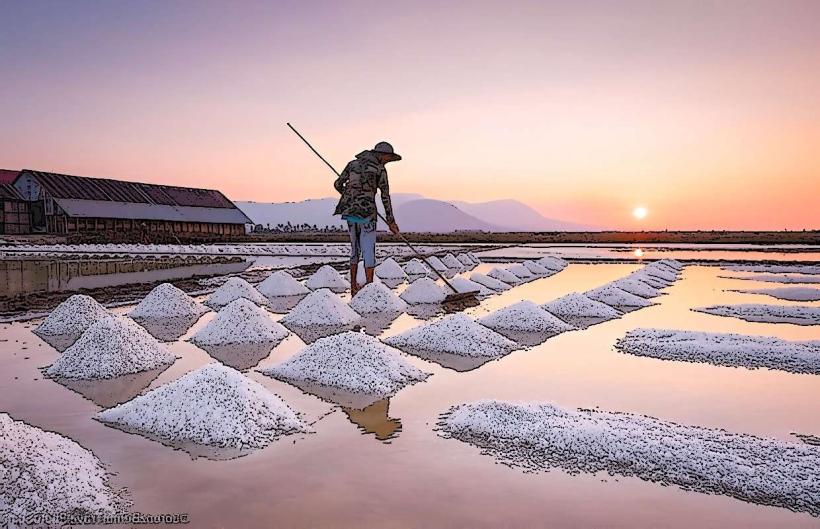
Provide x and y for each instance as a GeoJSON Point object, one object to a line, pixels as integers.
{"type": "Point", "coordinates": [298, 228]}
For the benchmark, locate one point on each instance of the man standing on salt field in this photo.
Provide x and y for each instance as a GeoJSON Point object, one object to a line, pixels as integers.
{"type": "Point", "coordinates": [358, 184]}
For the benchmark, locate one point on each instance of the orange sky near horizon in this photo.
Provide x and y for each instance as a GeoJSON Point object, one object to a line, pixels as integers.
{"type": "Point", "coordinates": [707, 114]}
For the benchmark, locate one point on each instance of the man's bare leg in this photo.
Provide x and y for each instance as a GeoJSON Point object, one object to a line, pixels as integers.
{"type": "Point", "coordinates": [354, 271]}
{"type": "Point", "coordinates": [368, 273]}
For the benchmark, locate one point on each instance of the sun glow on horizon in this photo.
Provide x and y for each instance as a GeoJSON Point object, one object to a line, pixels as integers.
{"type": "Point", "coordinates": [640, 212]}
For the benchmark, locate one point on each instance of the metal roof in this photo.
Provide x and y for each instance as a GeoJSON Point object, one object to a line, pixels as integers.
{"type": "Point", "coordinates": [104, 189]}
{"type": "Point", "coordinates": [8, 176]}
{"type": "Point", "coordinates": [106, 209]}
{"type": "Point", "coordinates": [8, 191]}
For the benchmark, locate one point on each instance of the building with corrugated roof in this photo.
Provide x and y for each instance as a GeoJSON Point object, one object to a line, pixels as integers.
{"type": "Point", "coordinates": [14, 210]}
{"type": "Point", "coordinates": [106, 209]}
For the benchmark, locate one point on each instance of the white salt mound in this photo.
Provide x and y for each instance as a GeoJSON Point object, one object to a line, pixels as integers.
{"type": "Point", "coordinates": [712, 461]}
{"type": "Point", "coordinates": [736, 350]}
{"type": "Point", "coordinates": [475, 259]}
{"type": "Point", "coordinates": [637, 287]}
{"type": "Point", "coordinates": [451, 262]}
{"type": "Point", "coordinates": [521, 271]}
{"type": "Point", "coordinates": [465, 285]}
{"type": "Point", "coordinates": [112, 347]}
{"type": "Point", "coordinates": [167, 301]}
{"type": "Point", "coordinates": [280, 284]}
{"type": "Point", "coordinates": [44, 473]}
{"type": "Point", "coordinates": [241, 322]}
{"type": "Point", "coordinates": [787, 293]}
{"type": "Point", "coordinates": [767, 313]}
{"type": "Point", "coordinates": [504, 275]}
{"type": "Point", "coordinates": [644, 277]}
{"type": "Point", "coordinates": [353, 362]}
{"type": "Point", "coordinates": [456, 334]}
{"type": "Point", "coordinates": [661, 272]}
{"type": "Point", "coordinates": [234, 288]}
{"type": "Point", "coordinates": [416, 267]}
{"type": "Point", "coordinates": [779, 278]}
{"type": "Point", "coordinates": [537, 269]}
{"type": "Point", "coordinates": [775, 269]}
{"type": "Point", "coordinates": [390, 269]}
{"type": "Point", "coordinates": [321, 307]}
{"type": "Point", "coordinates": [465, 260]}
{"type": "Point", "coordinates": [377, 298]}
{"type": "Point", "coordinates": [327, 277]}
{"type": "Point", "coordinates": [525, 316]}
{"type": "Point", "coordinates": [437, 263]}
{"type": "Point", "coordinates": [615, 297]}
{"type": "Point", "coordinates": [671, 263]}
{"type": "Point", "coordinates": [423, 290]}
{"type": "Point", "coordinates": [489, 282]}
{"type": "Point", "coordinates": [553, 263]}
{"type": "Point", "coordinates": [214, 405]}
{"type": "Point", "coordinates": [72, 316]}
{"type": "Point", "coordinates": [575, 305]}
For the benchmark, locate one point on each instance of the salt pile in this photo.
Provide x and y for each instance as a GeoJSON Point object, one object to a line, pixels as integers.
{"type": "Point", "coordinates": [214, 405]}
{"type": "Point", "coordinates": [281, 284]}
{"type": "Point", "coordinates": [377, 298]}
{"type": "Point", "coordinates": [415, 267]}
{"type": "Point", "coordinates": [575, 305]}
{"type": "Point", "coordinates": [44, 474]}
{"type": "Point", "coordinates": [112, 347]}
{"type": "Point", "coordinates": [423, 290]}
{"type": "Point", "coordinates": [241, 322]}
{"type": "Point", "coordinates": [436, 263]}
{"type": "Point", "coordinates": [767, 313]}
{"type": "Point", "coordinates": [475, 259]}
{"type": "Point", "coordinates": [465, 260]}
{"type": "Point", "coordinates": [712, 461]}
{"type": "Point", "coordinates": [525, 316]}
{"type": "Point", "coordinates": [504, 275]}
{"type": "Point", "coordinates": [671, 263]}
{"type": "Point", "coordinates": [537, 269]}
{"type": "Point", "coordinates": [636, 287]}
{"type": "Point", "coordinates": [659, 271]}
{"type": "Point", "coordinates": [777, 278]}
{"type": "Point", "coordinates": [775, 269]}
{"type": "Point", "coordinates": [72, 317]}
{"type": "Point", "coordinates": [167, 301]}
{"type": "Point", "coordinates": [353, 362]}
{"type": "Point", "coordinates": [451, 262]}
{"type": "Point", "coordinates": [327, 277]}
{"type": "Point", "coordinates": [455, 334]}
{"type": "Point", "coordinates": [735, 350]}
{"type": "Point", "coordinates": [466, 285]}
{"type": "Point", "coordinates": [489, 282]}
{"type": "Point", "coordinates": [553, 263]}
{"type": "Point", "coordinates": [521, 271]}
{"type": "Point", "coordinates": [390, 269]}
{"type": "Point", "coordinates": [787, 293]}
{"type": "Point", "coordinates": [234, 288]}
{"type": "Point", "coordinates": [615, 297]}
{"type": "Point", "coordinates": [653, 281]}
{"type": "Point", "coordinates": [321, 307]}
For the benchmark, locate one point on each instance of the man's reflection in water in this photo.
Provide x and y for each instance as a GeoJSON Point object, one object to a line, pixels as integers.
{"type": "Point", "coordinates": [374, 420]}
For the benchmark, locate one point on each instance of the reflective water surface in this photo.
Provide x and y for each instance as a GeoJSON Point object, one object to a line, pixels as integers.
{"type": "Point", "coordinates": [381, 464]}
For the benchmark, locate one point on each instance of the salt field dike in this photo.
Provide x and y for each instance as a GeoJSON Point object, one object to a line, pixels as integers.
{"type": "Point", "coordinates": [410, 265]}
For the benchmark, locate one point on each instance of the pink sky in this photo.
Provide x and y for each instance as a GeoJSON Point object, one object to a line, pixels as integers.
{"type": "Point", "coordinates": [706, 113]}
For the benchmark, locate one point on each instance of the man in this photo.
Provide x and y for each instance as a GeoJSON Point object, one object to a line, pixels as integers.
{"type": "Point", "coordinates": [358, 184]}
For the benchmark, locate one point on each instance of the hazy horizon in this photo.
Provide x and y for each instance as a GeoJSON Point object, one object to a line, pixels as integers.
{"type": "Point", "coordinates": [705, 114]}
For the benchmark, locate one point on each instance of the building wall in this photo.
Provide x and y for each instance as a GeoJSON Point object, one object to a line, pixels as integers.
{"type": "Point", "coordinates": [14, 217]}
{"type": "Point", "coordinates": [139, 231]}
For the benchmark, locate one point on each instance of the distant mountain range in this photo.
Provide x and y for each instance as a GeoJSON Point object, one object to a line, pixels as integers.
{"type": "Point", "coordinates": [415, 213]}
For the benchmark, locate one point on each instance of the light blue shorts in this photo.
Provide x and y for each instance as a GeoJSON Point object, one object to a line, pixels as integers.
{"type": "Point", "coordinates": [362, 242]}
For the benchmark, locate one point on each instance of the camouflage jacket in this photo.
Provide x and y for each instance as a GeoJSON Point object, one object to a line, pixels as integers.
{"type": "Point", "coordinates": [358, 185]}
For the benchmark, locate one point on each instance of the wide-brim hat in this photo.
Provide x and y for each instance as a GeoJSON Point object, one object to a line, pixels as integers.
{"type": "Point", "coordinates": [383, 148]}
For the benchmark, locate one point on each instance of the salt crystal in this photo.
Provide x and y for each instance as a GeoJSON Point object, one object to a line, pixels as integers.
{"type": "Point", "coordinates": [214, 405]}
{"type": "Point", "coordinates": [327, 277]}
{"type": "Point", "coordinates": [637, 287]}
{"type": "Point", "coordinates": [377, 298]}
{"type": "Point", "coordinates": [352, 362]}
{"type": "Point", "coordinates": [456, 334]}
{"type": "Point", "coordinates": [390, 269]}
{"type": "Point", "coordinates": [786, 293]}
{"type": "Point", "coordinates": [553, 263]}
{"type": "Point", "coordinates": [321, 307]}
{"type": "Point", "coordinates": [423, 290]}
{"type": "Point", "coordinates": [525, 316]}
{"type": "Point", "coordinates": [489, 282]}
{"type": "Point", "coordinates": [504, 275]}
{"type": "Point", "coordinates": [451, 262]}
{"type": "Point", "coordinates": [465, 260]}
{"type": "Point", "coordinates": [281, 284]}
{"type": "Point", "coordinates": [234, 288]}
{"type": "Point", "coordinates": [112, 347]}
{"type": "Point", "coordinates": [436, 263]}
{"type": "Point", "coordinates": [521, 271]}
{"type": "Point", "coordinates": [241, 322]}
{"type": "Point", "coordinates": [415, 267]}
{"type": "Point", "coordinates": [167, 301]}
{"type": "Point", "coordinates": [756, 312]}
{"type": "Point", "coordinates": [537, 269]}
{"type": "Point", "coordinates": [615, 297]}
{"type": "Point", "coordinates": [465, 285]}
{"type": "Point", "coordinates": [575, 305]}
{"type": "Point", "coordinates": [72, 317]}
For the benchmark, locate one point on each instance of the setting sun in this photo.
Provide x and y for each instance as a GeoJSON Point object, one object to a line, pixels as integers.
{"type": "Point", "coordinates": [640, 212]}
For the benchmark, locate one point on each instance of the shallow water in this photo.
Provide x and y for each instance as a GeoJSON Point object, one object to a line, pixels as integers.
{"type": "Point", "coordinates": [385, 466]}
